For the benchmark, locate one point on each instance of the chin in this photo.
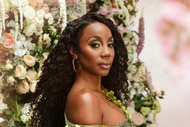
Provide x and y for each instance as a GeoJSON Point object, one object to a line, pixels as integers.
{"type": "Point", "coordinates": [105, 74]}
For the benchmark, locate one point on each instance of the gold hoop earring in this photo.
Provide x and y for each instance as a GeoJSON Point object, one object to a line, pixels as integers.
{"type": "Point", "coordinates": [76, 67]}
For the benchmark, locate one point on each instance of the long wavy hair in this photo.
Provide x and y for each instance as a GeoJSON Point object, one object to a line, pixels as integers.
{"type": "Point", "coordinates": [58, 75]}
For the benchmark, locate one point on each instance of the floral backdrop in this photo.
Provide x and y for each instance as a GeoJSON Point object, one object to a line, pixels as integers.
{"type": "Point", "coordinates": [174, 37]}
{"type": "Point", "coordinates": [29, 29]}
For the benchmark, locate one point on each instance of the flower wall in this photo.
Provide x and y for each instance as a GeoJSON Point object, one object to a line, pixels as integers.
{"type": "Point", "coordinates": [164, 41]}
{"type": "Point", "coordinates": [173, 34]}
{"type": "Point", "coordinates": [29, 29]}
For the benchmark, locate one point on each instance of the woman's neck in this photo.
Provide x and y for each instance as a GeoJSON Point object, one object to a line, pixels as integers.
{"type": "Point", "coordinates": [93, 82]}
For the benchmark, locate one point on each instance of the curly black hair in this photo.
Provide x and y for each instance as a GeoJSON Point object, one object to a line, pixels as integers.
{"type": "Point", "coordinates": [58, 75]}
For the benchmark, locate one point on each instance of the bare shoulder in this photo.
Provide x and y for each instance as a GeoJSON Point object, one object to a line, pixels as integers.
{"type": "Point", "coordinates": [82, 107]}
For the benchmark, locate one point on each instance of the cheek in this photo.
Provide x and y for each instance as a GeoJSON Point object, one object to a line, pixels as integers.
{"type": "Point", "coordinates": [88, 56]}
{"type": "Point", "coordinates": [113, 54]}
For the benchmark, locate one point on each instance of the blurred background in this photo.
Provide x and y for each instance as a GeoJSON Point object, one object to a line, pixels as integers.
{"type": "Point", "coordinates": [167, 55]}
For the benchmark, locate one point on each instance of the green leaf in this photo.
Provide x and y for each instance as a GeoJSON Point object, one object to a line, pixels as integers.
{"type": "Point", "coordinates": [40, 48]}
{"type": "Point", "coordinates": [8, 112]}
{"type": "Point", "coordinates": [36, 66]}
{"type": "Point", "coordinates": [19, 124]}
{"type": "Point", "coordinates": [32, 52]}
{"type": "Point", "coordinates": [40, 57]}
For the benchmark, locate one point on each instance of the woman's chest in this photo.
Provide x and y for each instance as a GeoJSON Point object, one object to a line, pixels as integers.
{"type": "Point", "coordinates": [111, 114]}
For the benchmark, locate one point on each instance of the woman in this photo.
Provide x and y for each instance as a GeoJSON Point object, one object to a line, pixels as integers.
{"type": "Point", "coordinates": [89, 57]}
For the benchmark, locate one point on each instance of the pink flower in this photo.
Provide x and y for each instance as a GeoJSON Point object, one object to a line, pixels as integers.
{"type": "Point", "coordinates": [141, 36]}
{"type": "Point", "coordinates": [103, 11]}
{"type": "Point", "coordinates": [7, 40]}
{"type": "Point", "coordinates": [122, 29]}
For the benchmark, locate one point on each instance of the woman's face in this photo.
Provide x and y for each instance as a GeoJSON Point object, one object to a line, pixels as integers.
{"type": "Point", "coordinates": [96, 49]}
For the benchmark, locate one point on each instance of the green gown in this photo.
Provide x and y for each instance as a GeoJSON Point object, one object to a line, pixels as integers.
{"type": "Point", "coordinates": [127, 123]}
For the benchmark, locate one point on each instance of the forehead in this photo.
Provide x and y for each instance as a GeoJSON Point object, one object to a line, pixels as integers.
{"type": "Point", "coordinates": [96, 28]}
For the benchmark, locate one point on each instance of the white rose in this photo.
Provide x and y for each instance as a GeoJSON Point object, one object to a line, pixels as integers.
{"type": "Point", "coordinates": [29, 60]}
{"type": "Point", "coordinates": [138, 118]}
{"type": "Point", "coordinates": [30, 29]}
{"type": "Point", "coordinates": [11, 80]}
{"type": "Point", "coordinates": [31, 75]}
{"type": "Point", "coordinates": [20, 71]}
{"type": "Point", "coordinates": [8, 66]}
{"type": "Point", "coordinates": [23, 87]}
{"type": "Point", "coordinates": [29, 12]}
{"type": "Point", "coordinates": [19, 49]}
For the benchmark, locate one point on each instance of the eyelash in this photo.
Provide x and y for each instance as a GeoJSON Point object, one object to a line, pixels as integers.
{"type": "Point", "coordinates": [96, 45]}
{"type": "Point", "coordinates": [111, 45]}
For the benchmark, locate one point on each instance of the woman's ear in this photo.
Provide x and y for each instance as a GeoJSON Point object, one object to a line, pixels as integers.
{"type": "Point", "coordinates": [73, 53]}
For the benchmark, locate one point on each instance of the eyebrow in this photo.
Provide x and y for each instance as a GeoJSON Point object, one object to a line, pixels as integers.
{"type": "Point", "coordinates": [99, 38]}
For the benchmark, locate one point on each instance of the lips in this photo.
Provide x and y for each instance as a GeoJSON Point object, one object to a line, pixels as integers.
{"type": "Point", "coordinates": [105, 65]}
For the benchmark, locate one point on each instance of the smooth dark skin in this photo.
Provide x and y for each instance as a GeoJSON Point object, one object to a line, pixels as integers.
{"type": "Point", "coordinates": [86, 104]}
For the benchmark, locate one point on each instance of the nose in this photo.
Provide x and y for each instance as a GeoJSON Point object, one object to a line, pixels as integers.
{"type": "Point", "coordinates": [106, 52]}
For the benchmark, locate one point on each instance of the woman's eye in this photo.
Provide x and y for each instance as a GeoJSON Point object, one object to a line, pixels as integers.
{"type": "Point", "coordinates": [95, 45]}
{"type": "Point", "coordinates": [111, 45]}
